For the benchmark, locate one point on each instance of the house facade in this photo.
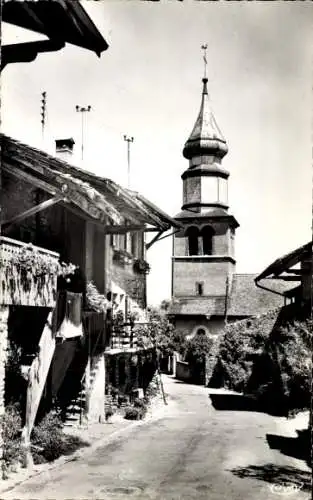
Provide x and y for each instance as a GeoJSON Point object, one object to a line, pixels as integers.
{"type": "Point", "coordinates": [53, 208]}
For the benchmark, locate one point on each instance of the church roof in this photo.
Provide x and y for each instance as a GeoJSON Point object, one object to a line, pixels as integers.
{"type": "Point", "coordinates": [245, 300]}
{"type": "Point", "coordinates": [216, 213]}
{"type": "Point", "coordinates": [206, 137]}
{"type": "Point", "coordinates": [190, 214]}
{"type": "Point", "coordinates": [198, 306]}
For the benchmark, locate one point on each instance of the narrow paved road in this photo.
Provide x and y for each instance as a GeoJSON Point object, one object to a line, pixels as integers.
{"type": "Point", "coordinates": [192, 452]}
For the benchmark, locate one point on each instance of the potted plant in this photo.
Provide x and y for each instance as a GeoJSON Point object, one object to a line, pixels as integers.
{"type": "Point", "coordinates": [108, 414]}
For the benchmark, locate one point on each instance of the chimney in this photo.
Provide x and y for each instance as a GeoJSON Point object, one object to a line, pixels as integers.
{"type": "Point", "coordinates": [64, 149]}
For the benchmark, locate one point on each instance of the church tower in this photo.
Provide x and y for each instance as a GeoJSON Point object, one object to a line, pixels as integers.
{"type": "Point", "coordinates": [203, 261]}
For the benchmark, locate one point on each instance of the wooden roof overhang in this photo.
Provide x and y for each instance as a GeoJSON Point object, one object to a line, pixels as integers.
{"type": "Point", "coordinates": [62, 21]}
{"type": "Point", "coordinates": [284, 269]}
{"type": "Point", "coordinates": [116, 209]}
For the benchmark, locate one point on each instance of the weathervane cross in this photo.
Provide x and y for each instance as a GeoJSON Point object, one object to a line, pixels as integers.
{"type": "Point", "coordinates": [204, 48]}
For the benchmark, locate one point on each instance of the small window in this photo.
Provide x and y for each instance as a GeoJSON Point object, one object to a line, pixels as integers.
{"type": "Point", "coordinates": [134, 244]}
{"type": "Point", "coordinates": [199, 288]}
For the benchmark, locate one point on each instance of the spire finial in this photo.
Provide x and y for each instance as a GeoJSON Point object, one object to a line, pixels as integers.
{"type": "Point", "coordinates": [204, 48]}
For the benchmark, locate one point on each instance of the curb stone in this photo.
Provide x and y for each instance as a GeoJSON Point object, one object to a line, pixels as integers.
{"type": "Point", "coordinates": [35, 472]}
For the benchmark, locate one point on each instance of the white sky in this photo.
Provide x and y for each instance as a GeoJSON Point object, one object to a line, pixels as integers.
{"type": "Point", "coordinates": [148, 85]}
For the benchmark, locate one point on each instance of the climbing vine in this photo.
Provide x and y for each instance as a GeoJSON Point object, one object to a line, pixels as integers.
{"type": "Point", "coordinates": [31, 265]}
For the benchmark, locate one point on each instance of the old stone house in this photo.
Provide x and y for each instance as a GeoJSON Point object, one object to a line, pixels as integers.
{"type": "Point", "coordinates": [61, 22]}
{"type": "Point", "coordinates": [70, 215]}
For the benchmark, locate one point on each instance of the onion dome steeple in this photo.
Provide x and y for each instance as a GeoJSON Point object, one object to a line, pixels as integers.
{"type": "Point", "coordinates": [206, 137]}
{"type": "Point", "coordinates": [205, 181]}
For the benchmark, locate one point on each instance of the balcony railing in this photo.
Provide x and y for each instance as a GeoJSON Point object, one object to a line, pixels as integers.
{"type": "Point", "coordinates": [28, 274]}
{"type": "Point", "coordinates": [123, 341]}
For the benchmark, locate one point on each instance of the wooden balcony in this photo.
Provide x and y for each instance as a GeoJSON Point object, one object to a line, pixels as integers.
{"type": "Point", "coordinates": [28, 274]}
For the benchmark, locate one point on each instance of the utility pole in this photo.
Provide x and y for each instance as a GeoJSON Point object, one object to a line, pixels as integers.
{"type": "Point", "coordinates": [43, 114]}
{"type": "Point", "coordinates": [82, 110]}
{"type": "Point", "coordinates": [129, 140]}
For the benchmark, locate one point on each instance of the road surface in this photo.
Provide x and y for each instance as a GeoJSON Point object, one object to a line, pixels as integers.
{"type": "Point", "coordinates": [191, 452]}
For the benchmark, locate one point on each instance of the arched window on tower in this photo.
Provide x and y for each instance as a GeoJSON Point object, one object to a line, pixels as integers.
{"type": "Point", "coordinates": [192, 234]}
{"type": "Point", "coordinates": [207, 240]}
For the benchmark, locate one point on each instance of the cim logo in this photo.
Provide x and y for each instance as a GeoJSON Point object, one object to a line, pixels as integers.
{"type": "Point", "coordinates": [285, 488]}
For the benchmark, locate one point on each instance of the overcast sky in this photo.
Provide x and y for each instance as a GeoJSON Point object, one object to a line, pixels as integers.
{"type": "Point", "coordinates": [148, 85]}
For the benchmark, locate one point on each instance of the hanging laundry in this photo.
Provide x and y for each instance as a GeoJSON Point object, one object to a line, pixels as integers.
{"type": "Point", "coordinates": [71, 326]}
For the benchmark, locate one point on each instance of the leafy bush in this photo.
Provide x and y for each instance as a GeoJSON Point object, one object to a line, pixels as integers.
{"type": "Point", "coordinates": [15, 384]}
{"type": "Point", "coordinates": [132, 413]}
{"type": "Point", "coordinates": [122, 399]}
{"type": "Point", "coordinates": [47, 437]}
{"type": "Point", "coordinates": [108, 412]}
{"type": "Point", "coordinates": [11, 423]}
{"type": "Point", "coordinates": [291, 352]}
{"type": "Point", "coordinates": [240, 345]}
{"type": "Point", "coordinates": [49, 441]}
{"type": "Point", "coordinates": [153, 388]}
{"type": "Point", "coordinates": [197, 348]}
{"type": "Point", "coordinates": [270, 357]}
{"type": "Point", "coordinates": [158, 331]}
{"type": "Point", "coordinates": [139, 403]}
{"type": "Point", "coordinates": [142, 405]}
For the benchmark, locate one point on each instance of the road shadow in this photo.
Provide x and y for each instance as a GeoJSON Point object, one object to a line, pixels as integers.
{"type": "Point", "coordinates": [276, 475]}
{"type": "Point", "coordinates": [243, 402]}
{"type": "Point", "coordinates": [297, 447]}
{"type": "Point", "coordinates": [187, 382]}
{"type": "Point", "coordinates": [233, 402]}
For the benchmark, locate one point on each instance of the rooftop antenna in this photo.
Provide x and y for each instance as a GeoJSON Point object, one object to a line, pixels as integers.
{"type": "Point", "coordinates": [204, 48]}
{"type": "Point", "coordinates": [82, 110]}
{"type": "Point", "coordinates": [129, 140]}
{"type": "Point", "coordinates": [43, 113]}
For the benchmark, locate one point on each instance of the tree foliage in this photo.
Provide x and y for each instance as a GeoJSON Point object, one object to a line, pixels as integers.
{"type": "Point", "coordinates": [157, 331]}
{"type": "Point", "coordinates": [269, 356]}
{"type": "Point", "coordinates": [197, 348]}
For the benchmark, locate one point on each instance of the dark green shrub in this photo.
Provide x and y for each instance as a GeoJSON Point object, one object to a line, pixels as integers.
{"type": "Point", "coordinates": [240, 345]}
{"type": "Point", "coordinates": [132, 413]}
{"type": "Point", "coordinates": [142, 405]}
{"type": "Point", "coordinates": [11, 423]}
{"type": "Point", "coordinates": [139, 403]}
{"type": "Point", "coordinates": [15, 384]}
{"type": "Point", "coordinates": [108, 412]}
{"type": "Point", "coordinates": [197, 348]}
{"type": "Point", "coordinates": [47, 438]}
{"type": "Point", "coordinates": [153, 389]}
{"type": "Point", "coordinates": [122, 399]}
{"type": "Point", "coordinates": [49, 441]}
{"type": "Point", "coordinates": [114, 392]}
